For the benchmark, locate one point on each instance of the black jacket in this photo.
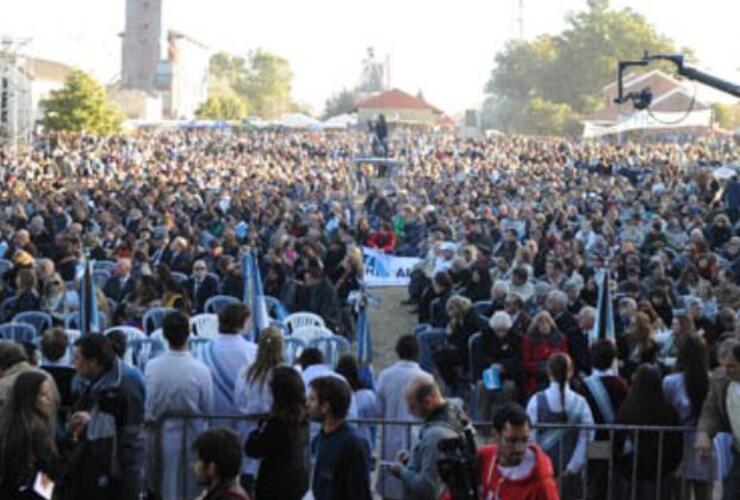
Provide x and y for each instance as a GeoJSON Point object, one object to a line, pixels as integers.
{"type": "Point", "coordinates": [113, 289]}
{"type": "Point", "coordinates": [283, 472]}
{"type": "Point", "coordinates": [506, 351]}
{"type": "Point", "coordinates": [111, 461]}
{"type": "Point", "coordinates": [342, 469]}
{"type": "Point", "coordinates": [206, 290]}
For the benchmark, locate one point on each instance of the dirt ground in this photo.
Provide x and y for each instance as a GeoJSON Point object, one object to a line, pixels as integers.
{"type": "Point", "coordinates": [387, 324]}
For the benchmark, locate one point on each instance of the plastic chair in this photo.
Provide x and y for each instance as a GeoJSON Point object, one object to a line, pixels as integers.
{"type": "Point", "coordinates": [275, 308]}
{"type": "Point", "coordinates": [5, 266]}
{"type": "Point", "coordinates": [154, 317]}
{"type": "Point", "coordinates": [19, 332]}
{"type": "Point", "coordinates": [204, 325]}
{"type": "Point", "coordinates": [132, 334]}
{"type": "Point", "coordinates": [100, 278]}
{"type": "Point", "coordinates": [473, 342]}
{"type": "Point", "coordinates": [179, 277]}
{"type": "Point", "coordinates": [197, 345]}
{"type": "Point", "coordinates": [5, 307]}
{"type": "Point", "coordinates": [292, 348]}
{"type": "Point", "coordinates": [215, 304]}
{"type": "Point", "coordinates": [301, 319]}
{"type": "Point", "coordinates": [309, 333]}
{"type": "Point", "coordinates": [104, 265]}
{"type": "Point", "coordinates": [72, 321]}
{"type": "Point", "coordinates": [40, 320]}
{"type": "Point", "coordinates": [332, 347]}
{"type": "Point", "coordinates": [482, 306]}
{"type": "Point", "coordinates": [144, 350]}
{"type": "Point", "coordinates": [429, 340]}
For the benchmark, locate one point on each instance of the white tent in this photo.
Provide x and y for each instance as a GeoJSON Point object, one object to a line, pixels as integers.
{"type": "Point", "coordinates": [298, 120]}
{"type": "Point", "coordinates": [643, 120]}
{"type": "Point", "coordinates": [340, 121]}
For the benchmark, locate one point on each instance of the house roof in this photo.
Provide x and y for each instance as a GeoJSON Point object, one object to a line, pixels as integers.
{"type": "Point", "coordinates": [631, 79]}
{"type": "Point", "coordinates": [396, 99]}
{"type": "Point", "coordinates": [44, 69]}
{"type": "Point", "coordinates": [675, 100]}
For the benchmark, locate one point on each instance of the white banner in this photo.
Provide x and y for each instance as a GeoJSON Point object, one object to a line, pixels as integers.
{"type": "Point", "coordinates": [387, 270]}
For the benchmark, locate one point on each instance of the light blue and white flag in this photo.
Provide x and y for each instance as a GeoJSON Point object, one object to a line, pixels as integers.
{"type": "Point", "coordinates": [88, 312]}
{"type": "Point", "coordinates": [604, 322]}
{"type": "Point", "coordinates": [254, 295]}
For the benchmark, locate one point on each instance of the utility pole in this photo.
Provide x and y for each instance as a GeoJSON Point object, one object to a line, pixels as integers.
{"type": "Point", "coordinates": [16, 121]}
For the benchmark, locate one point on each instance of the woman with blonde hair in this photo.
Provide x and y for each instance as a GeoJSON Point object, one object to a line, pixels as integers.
{"type": "Point", "coordinates": [641, 346]}
{"type": "Point", "coordinates": [252, 394]}
{"type": "Point", "coordinates": [464, 322]}
{"type": "Point", "coordinates": [543, 339]}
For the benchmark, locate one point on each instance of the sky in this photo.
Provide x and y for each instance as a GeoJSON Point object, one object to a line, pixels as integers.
{"type": "Point", "coordinates": [445, 49]}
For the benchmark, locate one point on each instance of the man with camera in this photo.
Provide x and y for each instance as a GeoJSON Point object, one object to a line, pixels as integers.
{"type": "Point", "coordinates": [444, 423]}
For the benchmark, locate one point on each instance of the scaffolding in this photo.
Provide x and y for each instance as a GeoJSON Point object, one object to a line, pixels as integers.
{"type": "Point", "coordinates": [16, 113]}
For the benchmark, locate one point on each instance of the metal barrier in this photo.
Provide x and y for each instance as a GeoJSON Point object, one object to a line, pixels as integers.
{"type": "Point", "coordinates": [601, 457]}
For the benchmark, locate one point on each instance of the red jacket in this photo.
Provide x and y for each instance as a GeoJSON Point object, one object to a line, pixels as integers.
{"type": "Point", "coordinates": [383, 240]}
{"type": "Point", "coordinates": [539, 485]}
{"type": "Point", "coordinates": [535, 354]}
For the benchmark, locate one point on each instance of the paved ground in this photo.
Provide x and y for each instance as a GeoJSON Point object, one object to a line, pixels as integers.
{"type": "Point", "coordinates": [387, 324]}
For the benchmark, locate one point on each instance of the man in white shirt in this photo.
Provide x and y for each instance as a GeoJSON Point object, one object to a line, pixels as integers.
{"type": "Point", "coordinates": [228, 353]}
{"type": "Point", "coordinates": [392, 405]}
{"type": "Point", "coordinates": [176, 383]}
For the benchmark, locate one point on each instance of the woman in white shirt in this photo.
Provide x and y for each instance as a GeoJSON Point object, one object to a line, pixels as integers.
{"type": "Point", "coordinates": [252, 394]}
{"type": "Point", "coordinates": [558, 404]}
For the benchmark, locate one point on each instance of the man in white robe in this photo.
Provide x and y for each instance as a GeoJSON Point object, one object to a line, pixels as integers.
{"type": "Point", "coordinates": [392, 406]}
{"type": "Point", "coordinates": [176, 383]}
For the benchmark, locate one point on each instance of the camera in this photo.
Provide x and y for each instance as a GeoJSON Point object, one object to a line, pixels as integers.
{"type": "Point", "coordinates": [457, 467]}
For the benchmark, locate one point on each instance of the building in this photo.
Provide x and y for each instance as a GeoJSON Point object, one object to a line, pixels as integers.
{"type": "Point", "coordinates": [183, 76]}
{"type": "Point", "coordinates": [672, 107]}
{"type": "Point", "coordinates": [24, 83]}
{"type": "Point", "coordinates": [399, 108]}
{"type": "Point", "coordinates": [161, 62]}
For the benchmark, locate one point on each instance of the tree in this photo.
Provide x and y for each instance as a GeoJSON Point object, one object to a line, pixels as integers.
{"type": "Point", "coordinates": [81, 106]}
{"type": "Point", "coordinates": [222, 108]}
{"type": "Point", "coordinates": [727, 116]}
{"type": "Point", "coordinates": [371, 79]}
{"type": "Point", "coordinates": [570, 68]}
{"type": "Point", "coordinates": [340, 103]}
{"type": "Point", "coordinates": [262, 80]}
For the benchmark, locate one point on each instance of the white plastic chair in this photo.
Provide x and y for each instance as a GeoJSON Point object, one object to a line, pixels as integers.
{"type": "Point", "coordinates": [154, 317]}
{"type": "Point", "coordinates": [301, 319]}
{"type": "Point", "coordinates": [204, 325]}
{"type": "Point", "coordinates": [132, 334]}
{"type": "Point", "coordinates": [310, 333]}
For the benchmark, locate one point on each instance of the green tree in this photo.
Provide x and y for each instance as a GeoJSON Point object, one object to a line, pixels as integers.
{"type": "Point", "coordinates": [222, 108]}
{"type": "Point", "coordinates": [570, 68]}
{"type": "Point", "coordinates": [263, 80]}
{"type": "Point", "coordinates": [340, 103]}
{"type": "Point", "coordinates": [81, 106]}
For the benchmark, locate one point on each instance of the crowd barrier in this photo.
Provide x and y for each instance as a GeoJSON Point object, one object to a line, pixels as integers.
{"type": "Point", "coordinates": [600, 453]}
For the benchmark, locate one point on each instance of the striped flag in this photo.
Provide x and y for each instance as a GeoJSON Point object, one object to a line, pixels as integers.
{"type": "Point", "coordinates": [254, 295]}
{"type": "Point", "coordinates": [604, 323]}
{"type": "Point", "coordinates": [88, 312]}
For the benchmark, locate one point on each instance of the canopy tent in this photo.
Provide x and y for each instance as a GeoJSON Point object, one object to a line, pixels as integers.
{"type": "Point", "coordinates": [298, 120]}
{"type": "Point", "coordinates": [645, 120]}
{"type": "Point", "coordinates": [343, 121]}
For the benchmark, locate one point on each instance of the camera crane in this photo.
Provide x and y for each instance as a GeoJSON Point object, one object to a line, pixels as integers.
{"type": "Point", "coordinates": [642, 99]}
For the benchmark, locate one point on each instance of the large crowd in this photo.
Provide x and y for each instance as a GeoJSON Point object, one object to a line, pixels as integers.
{"type": "Point", "coordinates": [511, 233]}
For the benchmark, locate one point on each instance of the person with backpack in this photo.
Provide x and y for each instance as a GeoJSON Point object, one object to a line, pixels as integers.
{"type": "Point", "coordinates": [418, 469]}
{"type": "Point", "coordinates": [558, 404]}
